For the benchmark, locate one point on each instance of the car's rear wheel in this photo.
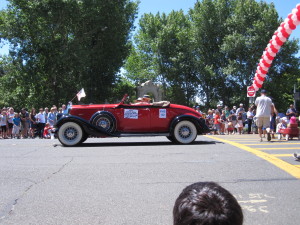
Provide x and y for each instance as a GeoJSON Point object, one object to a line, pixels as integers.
{"type": "Point", "coordinates": [104, 122]}
{"type": "Point", "coordinates": [185, 132]}
{"type": "Point", "coordinates": [70, 134]}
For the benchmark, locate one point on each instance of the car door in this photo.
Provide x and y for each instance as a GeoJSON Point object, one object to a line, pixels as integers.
{"type": "Point", "coordinates": [134, 119]}
{"type": "Point", "coordinates": [160, 119]}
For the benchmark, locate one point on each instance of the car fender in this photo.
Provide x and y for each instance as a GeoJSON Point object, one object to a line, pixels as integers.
{"type": "Point", "coordinates": [88, 128]}
{"type": "Point", "coordinates": [199, 123]}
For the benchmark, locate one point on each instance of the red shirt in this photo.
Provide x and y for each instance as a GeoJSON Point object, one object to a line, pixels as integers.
{"type": "Point", "coordinates": [217, 119]}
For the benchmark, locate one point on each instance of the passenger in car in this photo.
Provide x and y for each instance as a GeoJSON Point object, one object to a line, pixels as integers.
{"type": "Point", "coordinates": [144, 100]}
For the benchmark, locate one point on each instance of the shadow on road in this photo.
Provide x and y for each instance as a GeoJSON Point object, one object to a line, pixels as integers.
{"type": "Point", "coordinates": [161, 143]}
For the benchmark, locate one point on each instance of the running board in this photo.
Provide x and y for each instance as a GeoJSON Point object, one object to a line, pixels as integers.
{"type": "Point", "coordinates": [142, 134]}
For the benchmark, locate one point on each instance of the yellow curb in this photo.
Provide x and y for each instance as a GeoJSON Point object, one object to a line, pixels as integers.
{"type": "Point", "coordinates": [292, 170]}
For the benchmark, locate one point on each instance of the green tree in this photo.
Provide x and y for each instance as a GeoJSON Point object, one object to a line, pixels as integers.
{"type": "Point", "coordinates": [212, 52]}
{"type": "Point", "coordinates": [163, 53]}
{"type": "Point", "coordinates": [250, 28]}
{"type": "Point", "coordinates": [64, 45]}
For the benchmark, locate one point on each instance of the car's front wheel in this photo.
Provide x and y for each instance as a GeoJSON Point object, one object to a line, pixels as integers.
{"type": "Point", "coordinates": [185, 132]}
{"type": "Point", "coordinates": [70, 134]}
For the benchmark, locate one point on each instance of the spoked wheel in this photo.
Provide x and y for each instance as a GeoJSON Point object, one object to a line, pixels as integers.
{"type": "Point", "coordinates": [70, 134]}
{"type": "Point", "coordinates": [185, 132]}
{"type": "Point", "coordinates": [104, 122]}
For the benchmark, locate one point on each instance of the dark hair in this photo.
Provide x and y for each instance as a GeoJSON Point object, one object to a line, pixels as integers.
{"type": "Point", "coordinates": [206, 203]}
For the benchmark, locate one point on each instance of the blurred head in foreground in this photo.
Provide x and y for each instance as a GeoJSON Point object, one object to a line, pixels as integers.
{"type": "Point", "coordinates": [206, 203]}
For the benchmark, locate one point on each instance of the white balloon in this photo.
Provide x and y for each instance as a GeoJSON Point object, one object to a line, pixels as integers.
{"type": "Point", "coordinates": [255, 87]}
{"type": "Point", "coordinates": [275, 44]}
{"type": "Point", "coordinates": [259, 72]}
{"type": "Point", "coordinates": [294, 11]}
{"type": "Point", "coordinates": [274, 37]}
{"type": "Point", "coordinates": [267, 59]}
{"type": "Point", "coordinates": [295, 20]}
{"type": "Point", "coordinates": [273, 54]}
{"type": "Point", "coordinates": [263, 75]}
{"type": "Point", "coordinates": [281, 38]}
{"type": "Point", "coordinates": [287, 28]}
{"type": "Point", "coordinates": [286, 20]}
{"type": "Point", "coordinates": [263, 67]}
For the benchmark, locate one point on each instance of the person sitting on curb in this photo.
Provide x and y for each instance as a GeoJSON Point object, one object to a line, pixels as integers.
{"type": "Point", "coordinates": [206, 203]}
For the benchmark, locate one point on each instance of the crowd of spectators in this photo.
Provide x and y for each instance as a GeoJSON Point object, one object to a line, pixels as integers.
{"type": "Point", "coordinates": [238, 120]}
{"type": "Point", "coordinates": [29, 124]}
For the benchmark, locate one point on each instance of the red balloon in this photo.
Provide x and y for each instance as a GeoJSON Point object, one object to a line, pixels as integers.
{"type": "Point", "coordinates": [260, 78]}
{"type": "Point", "coordinates": [298, 14]}
{"type": "Point", "coordinates": [278, 41]}
{"type": "Point", "coordinates": [257, 84]}
{"type": "Point", "coordinates": [292, 25]}
{"type": "Point", "coordinates": [266, 64]}
{"type": "Point", "coordinates": [269, 56]}
{"type": "Point", "coordinates": [284, 33]}
{"type": "Point", "coordinates": [262, 70]}
{"type": "Point", "coordinates": [275, 50]}
{"type": "Point", "coordinates": [290, 16]}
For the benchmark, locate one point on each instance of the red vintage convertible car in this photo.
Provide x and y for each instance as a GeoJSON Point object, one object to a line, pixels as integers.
{"type": "Point", "coordinates": [180, 124]}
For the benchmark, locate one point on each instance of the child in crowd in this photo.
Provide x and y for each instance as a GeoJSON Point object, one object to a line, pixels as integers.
{"type": "Point", "coordinates": [281, 125]}
{"type": "Point", "coordinates": [16, 126]}
{"type": "Point", "coordinates": [223, 122]}
{"type": "Point", "coordinates": [217, 122]}
{"type": "Point", "coordinates": [3, 123]}
{"type": "Point", "coordinates": [10, 124]}
{"type": "Point", "coordinates": [47, 131]}
{"type": "Point", "coordinates": [240, 122]}
{"type": "Point", "coordinates": [230, 128]}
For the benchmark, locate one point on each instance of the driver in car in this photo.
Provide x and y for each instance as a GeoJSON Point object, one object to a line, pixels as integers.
{"type": "Point", "coordinates": [144, 100]}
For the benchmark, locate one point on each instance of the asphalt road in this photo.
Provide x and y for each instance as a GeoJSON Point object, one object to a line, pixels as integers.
{"type": "Point", "coordinates": [133, 181]}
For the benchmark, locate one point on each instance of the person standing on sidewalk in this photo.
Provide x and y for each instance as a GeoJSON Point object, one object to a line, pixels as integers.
{"type": "Point", "coordinates": [41, 122]}
{"type": "Point", "coordinates": [264, 109]}
{"type": "Point", "coordinates": [250, 116]}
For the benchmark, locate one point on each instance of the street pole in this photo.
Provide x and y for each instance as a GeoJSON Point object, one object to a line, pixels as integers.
{"type": "Point", "coordinates": [295, 96]}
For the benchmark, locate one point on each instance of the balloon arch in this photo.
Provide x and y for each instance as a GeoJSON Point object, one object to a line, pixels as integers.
{"type": "Point", "coordinates": [279, 38]}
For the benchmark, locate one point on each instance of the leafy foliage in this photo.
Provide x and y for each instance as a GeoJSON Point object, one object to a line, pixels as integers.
{"type": "Point", "coordinates": [60, 46]}
{"type": "Point", "coordinates": [212, 52]}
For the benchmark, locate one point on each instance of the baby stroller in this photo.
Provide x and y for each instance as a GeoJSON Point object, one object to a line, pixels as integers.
{"type": "Point", "coordinates": [291, 131]}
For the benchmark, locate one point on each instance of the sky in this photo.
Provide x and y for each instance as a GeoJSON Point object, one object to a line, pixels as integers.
{"type": "Point", "coordinates": [284, 7]}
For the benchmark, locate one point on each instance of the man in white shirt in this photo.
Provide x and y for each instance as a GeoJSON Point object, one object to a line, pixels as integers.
{"type": "Point", "coordinates": [263, 112]}
{"type": "Point", "coordinates": [41, 119]}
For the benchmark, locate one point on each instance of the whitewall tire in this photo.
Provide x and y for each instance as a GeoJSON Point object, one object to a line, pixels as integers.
{"type": "Point", "coordinates": [70, 134]}
{"type": "Point", "coordinates": [185, 132]}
